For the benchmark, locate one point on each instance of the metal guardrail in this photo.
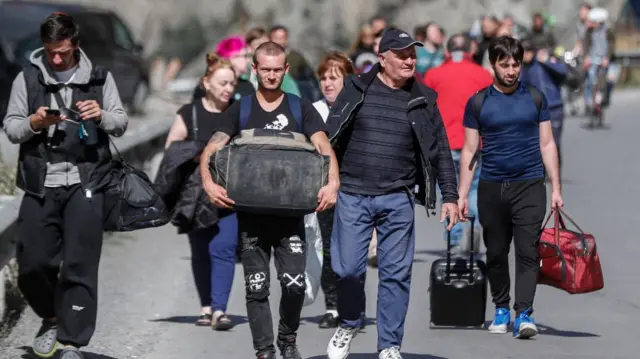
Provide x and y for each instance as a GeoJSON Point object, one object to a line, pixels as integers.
{"type": "Point", "coordinates": [138, 145]}
{"type": "Point", "coordinates": [628, 58]}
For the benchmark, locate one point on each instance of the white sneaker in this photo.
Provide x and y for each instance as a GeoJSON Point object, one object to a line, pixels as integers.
{"type": "Point", "coordinates": [390, 353]}
{"type": "Point", "coordinates": [340, 343]}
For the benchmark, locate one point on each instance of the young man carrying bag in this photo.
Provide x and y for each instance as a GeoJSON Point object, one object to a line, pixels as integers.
{"type": "Point", "coordinates": [259, 233]}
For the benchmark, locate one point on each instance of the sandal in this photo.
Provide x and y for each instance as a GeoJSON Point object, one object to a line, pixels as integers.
{"type": "Point", "coordinates": [222, 323]}
{"type": "Point", "coordinates": [204, 320]}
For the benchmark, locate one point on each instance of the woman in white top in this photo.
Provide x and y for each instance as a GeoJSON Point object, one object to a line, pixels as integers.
{"type": "Point", "coordinates": [332, 71]}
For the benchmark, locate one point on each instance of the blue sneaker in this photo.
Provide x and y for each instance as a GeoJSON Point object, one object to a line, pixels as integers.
{"type": "Point", "coordinates": [524, 326]}
{"type": "Point", "coordinates": [500, 321]}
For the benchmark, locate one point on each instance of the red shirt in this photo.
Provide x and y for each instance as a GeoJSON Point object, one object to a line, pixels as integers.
{"type": "Point", "coordinates": [455, 83]}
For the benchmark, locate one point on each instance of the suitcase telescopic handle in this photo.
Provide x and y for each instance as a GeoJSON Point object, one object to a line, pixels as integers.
{"type": "Point", "coordinates": [447, 274]}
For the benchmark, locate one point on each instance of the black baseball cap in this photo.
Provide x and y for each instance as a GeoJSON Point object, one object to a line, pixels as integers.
{"type": "Point", "coordinates": [396, 39]}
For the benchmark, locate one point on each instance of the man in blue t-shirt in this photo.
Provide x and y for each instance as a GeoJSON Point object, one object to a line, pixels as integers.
{"type": "Point", "coordinates": [518, 146]}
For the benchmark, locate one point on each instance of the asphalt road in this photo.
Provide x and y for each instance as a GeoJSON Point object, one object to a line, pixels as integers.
{"type": "Point", "coordinates": [148, 302]}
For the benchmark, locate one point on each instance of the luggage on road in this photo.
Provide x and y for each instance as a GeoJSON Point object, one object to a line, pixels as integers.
{"type": "Point", "coordinates": [458, 289]}
{"type": "Point", "coordinates": [271, 172]}
{"type": "Point", "coordinates": [568, 259]}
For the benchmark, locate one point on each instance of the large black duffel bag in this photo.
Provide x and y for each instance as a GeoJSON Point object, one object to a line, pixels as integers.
{"type": "Point", "coordinates": [271, 172]}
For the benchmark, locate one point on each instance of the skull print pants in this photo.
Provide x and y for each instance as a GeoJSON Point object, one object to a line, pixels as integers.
{"type": "Point", "coordinates": [258, 235]}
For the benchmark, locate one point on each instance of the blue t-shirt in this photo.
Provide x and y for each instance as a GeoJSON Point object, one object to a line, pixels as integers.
{"type": "Point", "coordinates": [510, 128]}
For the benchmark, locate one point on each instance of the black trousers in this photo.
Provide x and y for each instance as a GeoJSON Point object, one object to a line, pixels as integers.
{"type": "Point", "coordinates": [58, 254]}
{"type": "Point", "coordinates": [515, 210]}
{"type": "Point", "coordinates": [329, 278]}
{"type": "Point", "coordinates": [258, 235]}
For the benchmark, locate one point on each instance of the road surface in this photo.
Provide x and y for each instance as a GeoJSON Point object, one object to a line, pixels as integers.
{"type": "Point", "coordinates": [148, 302]}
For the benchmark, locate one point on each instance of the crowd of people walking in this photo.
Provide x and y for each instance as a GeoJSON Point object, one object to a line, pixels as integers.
{"type": "Point", "coordinates": [472, 121]}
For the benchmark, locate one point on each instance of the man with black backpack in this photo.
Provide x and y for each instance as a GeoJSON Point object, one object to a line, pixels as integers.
{"type": "Point", "coordinates": [272, 109]}
{"type": "Point", "coordinates": [61, 111]}
{"type": "Point", "coordinates": [514, 122]}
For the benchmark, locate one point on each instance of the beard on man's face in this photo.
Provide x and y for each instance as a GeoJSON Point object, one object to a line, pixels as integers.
{"type": "Point", "coordinates": [506, 81]}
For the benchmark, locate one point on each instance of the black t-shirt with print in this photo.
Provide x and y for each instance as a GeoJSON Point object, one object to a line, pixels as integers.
{"type": "Point", "coordinates": [208, 122]}
{"type": "Point", "coordinates": [279, 119]}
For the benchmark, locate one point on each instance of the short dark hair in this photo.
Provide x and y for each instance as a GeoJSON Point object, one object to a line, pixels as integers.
{"type": "Point", "coordinates": [275, 28]}
{"type": "Point", "coordinates": [505, 47]}
{"type": "Point", "coordinates": [420, 30]}
{"type": "Point", "coordinates": [586, 5]}
{"type": "Point", "coordinates": [268, 48]}
{"type": "Point", "coordinates": [459, 42]}
{"type": "Point", "coordinates": [58, 27]}
{"type": "Point", "coordinates": [528, 44]}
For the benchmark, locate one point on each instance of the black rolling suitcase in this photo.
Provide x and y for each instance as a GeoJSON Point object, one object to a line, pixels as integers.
{"type": "Point", "coordinates": [458, 290]}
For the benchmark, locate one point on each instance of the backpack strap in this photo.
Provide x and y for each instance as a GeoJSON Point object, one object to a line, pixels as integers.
{"type": "Point", "coordinates": [245, 110]}
{"type": "Point", "coordinates": [478, 101]}
{"type": "Point", "coordinates": [536, 95]}
{"type": "Point", "coordinates": [295, 108]}
{"type": "Point", "coordinates": [194, 121]}
{"type": "Point", "coordinates": [98, 78]}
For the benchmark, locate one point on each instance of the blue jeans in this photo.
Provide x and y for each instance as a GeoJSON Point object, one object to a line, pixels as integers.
{"type": "Point", "coordinates": [457, 232]}
{"type": "Point", "coordinates": [213, 261]}
{"type": "Point", "coordinates": [392, 215]}
{"type": "Point", "coordinates": [593, 72]}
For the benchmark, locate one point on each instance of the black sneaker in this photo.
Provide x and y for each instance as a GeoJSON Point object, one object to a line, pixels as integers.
{"type": "Point", "coordinates": [289, 349]}
{"type": "Point", "coordinates": [329, 321]}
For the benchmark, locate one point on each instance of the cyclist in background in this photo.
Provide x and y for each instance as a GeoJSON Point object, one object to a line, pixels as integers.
{"type": "Point", "coordinates": [598, 48]}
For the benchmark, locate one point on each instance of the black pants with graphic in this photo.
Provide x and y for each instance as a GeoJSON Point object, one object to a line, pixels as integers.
{"type": "Point", "coordinates": [515, 210]}
{"type": "Point", "coordinates": [63, 227]}
{"type": "Point", "coordinates": [329, 279]}
{"type": "Point", "coordinates": [258, 235]}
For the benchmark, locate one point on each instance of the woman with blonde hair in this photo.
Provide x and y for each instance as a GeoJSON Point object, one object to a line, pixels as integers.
{"type": "Point", "coordinates": [361, 52]}
{"type": "Point", "coordinates": [213, 244]}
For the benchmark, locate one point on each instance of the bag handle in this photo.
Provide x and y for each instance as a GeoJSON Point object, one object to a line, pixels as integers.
{"type": "Point", "coordinates": [558, 224]}
{"type": "Point", "coordinates": [447, 273]}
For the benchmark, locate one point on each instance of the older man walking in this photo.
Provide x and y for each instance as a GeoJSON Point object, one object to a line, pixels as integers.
{"type": "Point", "coordinates": [391, 144]}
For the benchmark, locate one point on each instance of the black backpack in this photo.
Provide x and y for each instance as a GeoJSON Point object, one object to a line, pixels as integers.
{"type": "Point", "coordinates": [478, 101]}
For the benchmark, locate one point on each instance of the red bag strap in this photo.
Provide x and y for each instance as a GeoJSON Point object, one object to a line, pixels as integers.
{"type": "Point", "coordinates": [562, 213]}
{"type": "Point", "coordinates": [556, 225]}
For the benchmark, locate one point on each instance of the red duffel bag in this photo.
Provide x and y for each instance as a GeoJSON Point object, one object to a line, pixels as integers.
{"type": "Point", "coordinates": [568, 259]}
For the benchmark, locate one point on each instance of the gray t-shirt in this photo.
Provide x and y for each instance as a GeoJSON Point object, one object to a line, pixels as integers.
{"type": "Point", "coordinates": [67, 75]}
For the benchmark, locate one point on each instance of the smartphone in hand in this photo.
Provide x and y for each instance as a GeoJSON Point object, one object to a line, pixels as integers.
{"type": "Point", "coordinates": [52, 112]}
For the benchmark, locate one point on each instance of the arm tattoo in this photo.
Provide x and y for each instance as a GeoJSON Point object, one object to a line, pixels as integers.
{"type": "Point", "coordinates": [219, 139]}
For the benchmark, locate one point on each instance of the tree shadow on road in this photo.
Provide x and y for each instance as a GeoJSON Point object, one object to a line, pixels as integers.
{"type": "Point", "coordinates": [375, 355]}
{"type": "Point", "coordinates": [88, 355]}
{"type": "Point", "coordinates": [191, 319]}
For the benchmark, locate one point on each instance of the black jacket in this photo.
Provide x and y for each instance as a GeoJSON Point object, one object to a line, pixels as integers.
{"type": "Point", "coordinates": [94, 162]}
{"type": "Point", "coordinates": [180, 185]}
{"type": "Point", "coordinates": [423, 114]}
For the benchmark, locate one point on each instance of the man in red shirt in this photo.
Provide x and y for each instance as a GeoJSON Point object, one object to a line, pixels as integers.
{"type": "Point", "coordinates": [455, 81]}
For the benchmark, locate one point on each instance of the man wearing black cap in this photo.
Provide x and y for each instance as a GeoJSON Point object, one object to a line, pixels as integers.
{"type": "Point", "coordinates": [392, 146]}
